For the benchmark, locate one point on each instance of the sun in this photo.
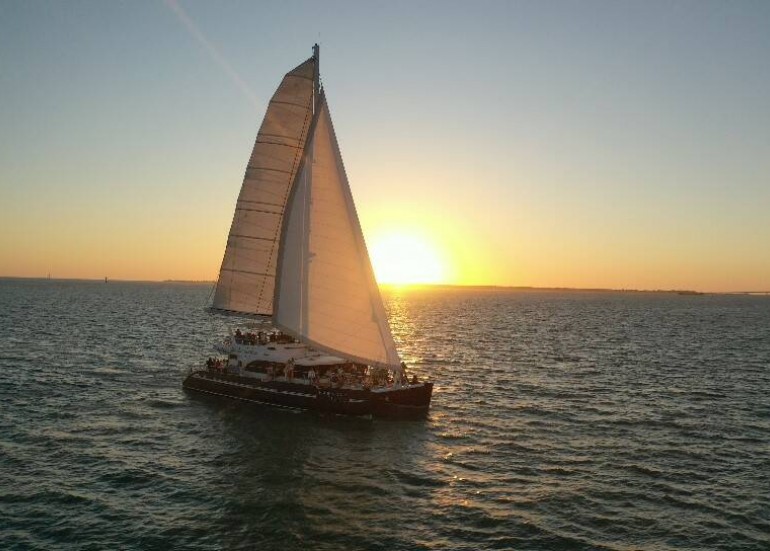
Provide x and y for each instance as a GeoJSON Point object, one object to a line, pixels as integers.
{"type": "Point", "coordinates": [402, 258]}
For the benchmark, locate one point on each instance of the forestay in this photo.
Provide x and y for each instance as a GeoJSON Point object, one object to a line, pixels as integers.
{"type": "Point", "coordinates": [247, 276]}
{"type": "Point", "coordinates": [327, 294]}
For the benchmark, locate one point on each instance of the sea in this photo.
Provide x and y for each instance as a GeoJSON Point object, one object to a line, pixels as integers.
{"type": "Point", "coordinates": [560, 420]}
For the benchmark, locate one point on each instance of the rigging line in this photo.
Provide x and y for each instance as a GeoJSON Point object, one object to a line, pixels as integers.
{"type": "Point", "coordinates": [211, 293]}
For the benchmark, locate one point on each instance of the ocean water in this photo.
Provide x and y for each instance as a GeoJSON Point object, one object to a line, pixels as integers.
{"type": "Point", "coordinates": [559, 421]}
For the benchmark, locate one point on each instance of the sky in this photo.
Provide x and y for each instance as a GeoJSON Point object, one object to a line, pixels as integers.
{"type": "Point", "coordinates": [570, 144]}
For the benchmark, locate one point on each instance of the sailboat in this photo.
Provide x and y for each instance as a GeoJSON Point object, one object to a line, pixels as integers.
{"type": "Point", "coordinates": [297, 266]}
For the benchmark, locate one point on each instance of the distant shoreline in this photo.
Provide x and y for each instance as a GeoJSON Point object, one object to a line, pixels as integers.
{"type": "Point", "coordinates": [422, 286]}
{"type": "Point", "coordinates": [109, 280]}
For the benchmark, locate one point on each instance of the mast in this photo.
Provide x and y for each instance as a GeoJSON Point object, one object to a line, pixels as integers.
{"type": "Point", "coordinates": [316, 77]}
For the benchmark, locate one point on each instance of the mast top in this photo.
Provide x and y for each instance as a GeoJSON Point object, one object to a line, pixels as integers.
{"type": "Point", "coordinates": [316, 76]}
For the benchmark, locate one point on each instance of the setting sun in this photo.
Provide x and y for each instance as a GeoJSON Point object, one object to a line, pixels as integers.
{"type": "Point", "coordinates": [404, 258]}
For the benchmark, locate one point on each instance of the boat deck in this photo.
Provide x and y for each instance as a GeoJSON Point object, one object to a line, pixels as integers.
{"type": "Point", "coordinates": [407, 401]}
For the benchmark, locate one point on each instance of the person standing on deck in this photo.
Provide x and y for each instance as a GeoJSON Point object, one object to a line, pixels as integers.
{"type": "Point", "coordinates": [288, 370]}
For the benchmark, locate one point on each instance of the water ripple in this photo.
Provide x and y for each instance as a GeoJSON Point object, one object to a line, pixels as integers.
{"type": "Point", "coordinates": [560, 421]}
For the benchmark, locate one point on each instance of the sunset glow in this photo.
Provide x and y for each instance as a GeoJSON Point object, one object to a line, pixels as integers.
{"type": "Point", "coordinates": [402, 258]}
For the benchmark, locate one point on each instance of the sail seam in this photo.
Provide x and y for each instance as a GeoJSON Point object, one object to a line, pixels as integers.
{"type": "Point", "coordinates": [282, 102]}
{"type": "Point", "coordinates": [245, 209]}
{"type": "Point", "coordinates": [259, 202]}
{"type": "Point", "coordinates": [278, 136]}
{"type": "Point", "coordinates": [280, 144]}
{"type": "Point", "coordinates": [257, 167]}
{"type": "Point", "coordinates": [246, 272]}
{"type": "Point", "coordinates": [289, 75]}
{"type": "Point", "coordinates": [252, 237]}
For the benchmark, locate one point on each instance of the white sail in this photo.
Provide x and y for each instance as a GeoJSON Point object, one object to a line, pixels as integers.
{"type": "Point", "coordinates": [327, 294]}
{"type": "Point", "coordinates": [247, 276]}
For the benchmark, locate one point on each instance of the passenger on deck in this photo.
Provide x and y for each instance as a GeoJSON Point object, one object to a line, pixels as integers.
{"type": "Point", "coordinates": [415, 380]}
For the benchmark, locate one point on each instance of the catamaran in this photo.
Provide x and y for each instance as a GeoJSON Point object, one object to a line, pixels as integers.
{"type": "Point", "coordinates": [296, 264]}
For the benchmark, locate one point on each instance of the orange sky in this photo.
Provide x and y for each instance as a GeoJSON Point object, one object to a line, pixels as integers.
{"type": "Point", "coordinates": [612, 146]}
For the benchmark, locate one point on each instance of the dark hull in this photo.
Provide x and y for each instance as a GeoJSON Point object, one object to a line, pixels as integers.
{"type": "Point", "coordinates": [402, 403]}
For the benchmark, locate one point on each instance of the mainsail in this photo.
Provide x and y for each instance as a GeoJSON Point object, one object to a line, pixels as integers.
{"type": "Point", "coordinates": [247, 277]}
{"type": "Point", "coordinates": [296, 251]}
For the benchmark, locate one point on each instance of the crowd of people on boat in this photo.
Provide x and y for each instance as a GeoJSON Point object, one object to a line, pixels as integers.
{"type": "Point", "coordinates": [262, 337]}
{"type": "Point", "coordinates": [350, 375]}
{"type": "Point", "coordinates": [217, 365]}
{"type": "Point", "coordinates": [336, 376]}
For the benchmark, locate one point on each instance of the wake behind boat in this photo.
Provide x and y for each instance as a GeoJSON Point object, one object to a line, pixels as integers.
{"type": "Point", "coordinates": [296, 258]}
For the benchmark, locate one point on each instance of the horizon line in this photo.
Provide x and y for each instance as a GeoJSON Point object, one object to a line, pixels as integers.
{"type": "Point", "coordinates": [416, 285]}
